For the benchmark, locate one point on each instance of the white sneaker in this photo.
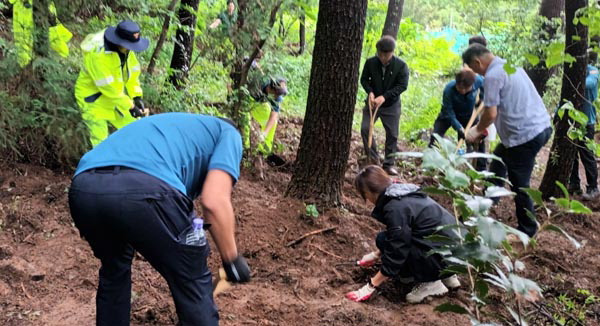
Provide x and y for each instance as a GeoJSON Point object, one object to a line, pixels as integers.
{"type": "Point", "coordinates": [451, 282]}
{"type": "Point", "coordinates": [424, 290]}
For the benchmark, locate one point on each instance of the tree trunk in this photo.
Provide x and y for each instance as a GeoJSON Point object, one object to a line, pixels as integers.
{"type": "Point", "coordinates": [540, 74]}
{"type": "Point", "coordinates": [184, 42]}
{"type": "Point", "coordinates": [42, 21]}
{"type": "Point", "coordinates": [281, 27]}
{"type": "Point", "coordinates": [393, 17]}
{"type": "Point", "coordinates": [302, 43]}
{"type": "Point", "coordinates": [573, 89]}
{"type": "Point", "coordinates": [325, 142]}
{"type": "Point", "coordinates": [240, 68]}
{"type": "Point", "coordinates": [162, 37]}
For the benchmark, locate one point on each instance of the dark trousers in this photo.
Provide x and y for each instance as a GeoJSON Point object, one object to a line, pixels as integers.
{"type": "Point", "coordinates": [442, 125]}
{"type": "Point", "coordinates": [518, 164]}
{"type": "Point", "coordinates": [589, 163]}
{"type": "Point", "coordinates": [419, 264]}
{"type": "Point", "coordinates": [390, 118]}
{"type": "Point", "coordinates": [119, 210]}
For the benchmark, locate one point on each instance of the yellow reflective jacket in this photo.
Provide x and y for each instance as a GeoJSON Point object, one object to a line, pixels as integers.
{"type": "Point", "coordinates": [23, 29]}
{"type": "Point", "coordinates": [102, 85]}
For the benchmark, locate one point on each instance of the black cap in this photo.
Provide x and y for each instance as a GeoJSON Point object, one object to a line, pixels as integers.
{"type": "Point", "coordinates": [127, 35]}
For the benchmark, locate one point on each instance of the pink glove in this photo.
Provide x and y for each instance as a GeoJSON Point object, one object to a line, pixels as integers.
{"type": "Point", "coordinates": [361, 294]}
{"type": "Point", "coordinates": [369, 259]}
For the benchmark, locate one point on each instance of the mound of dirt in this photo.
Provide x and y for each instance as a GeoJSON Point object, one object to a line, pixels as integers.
{"type": "Point", "coordinates": [48, 274]}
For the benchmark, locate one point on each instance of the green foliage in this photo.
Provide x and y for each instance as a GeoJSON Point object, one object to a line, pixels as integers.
{"type": "Point", "coordinates": [577, 127]}
{"type": "Point", "coordinates": [571, 310]}
{"type": "Point", "coordinates": [480, 246]}
{"type": "Point", "coordinates": [40, 122]}
{"type": "Point", "coordinates": [310, 210]}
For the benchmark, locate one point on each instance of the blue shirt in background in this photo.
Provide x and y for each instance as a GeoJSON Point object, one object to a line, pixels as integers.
{"type": "Point", "coordinates": [456, 105]}
{"type": "Point", "coordinates": [591, 94]}
{"type": "Point", "coordinates": [178, 148]}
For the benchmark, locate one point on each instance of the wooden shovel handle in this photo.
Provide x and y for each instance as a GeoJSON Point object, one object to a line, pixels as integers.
{"type": "Point", "coordinates": [470, 124]}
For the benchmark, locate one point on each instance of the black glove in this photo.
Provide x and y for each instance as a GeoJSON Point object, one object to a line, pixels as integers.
{"type": "Point", "coordinates": [461, 134]}
{"type": "Point", "coordinates": [138, 110]}
{"type": "Point", "coordinates": [237, 271]}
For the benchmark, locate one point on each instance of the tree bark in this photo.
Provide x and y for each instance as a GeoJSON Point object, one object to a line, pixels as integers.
{"type": "Point", "coordinates": [540, 74]}
{"type": "Point", "coordinates": [184, 43]}
{"type": "Point", "coordinates": [325, 142]}
{"type": "Point", "coordinates": [42, 22]}
{"type": "Point", "coordinates": [563, 151]}
{"type": "Point", "coordinates": [239, 74]}
{"type": "Point", "coordinates": [162, 37]}
{"type": "Point", "coordinates": [302, 29]}
{"type": "Point", "coordinates": [393, 17]}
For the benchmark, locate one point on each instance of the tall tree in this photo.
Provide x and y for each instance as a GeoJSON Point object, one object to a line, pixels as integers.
{"type": "Point", "coordinates": [393, 17]}
{"type": "Point", "coordinates": [325, 141]}
{"type": "Point", "coordinates": [573, 89]}
{"type": "Point", "coordinates": [184, 42]}
{"type": "Point", "coordinates": [302, 32]}
{"type": "Point", "coordinates": [162, 37]}
{"type": "Point", "coordinates": [549, 10]}
{"type": "Point", "coordinates": [248, 44]}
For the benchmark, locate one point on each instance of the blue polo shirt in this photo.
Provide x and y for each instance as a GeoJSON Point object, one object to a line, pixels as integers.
{"type": "Point", "coordinates": [458, 106]}
{"type": "Point", "coordinates": [591, 94]}
{"type": "Point", "coordinates": [178, 148]}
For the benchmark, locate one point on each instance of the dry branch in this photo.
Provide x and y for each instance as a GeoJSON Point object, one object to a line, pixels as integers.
{"type": "Point", "coordinates": [293, 242]}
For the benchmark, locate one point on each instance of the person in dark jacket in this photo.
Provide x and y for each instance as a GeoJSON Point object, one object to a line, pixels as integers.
{"type": "Point", "coordinates": [409, 216]}
{"type": "Point", "coordinates": [459, 99]}
{"type": "Point", "coordinates": [384, 78]}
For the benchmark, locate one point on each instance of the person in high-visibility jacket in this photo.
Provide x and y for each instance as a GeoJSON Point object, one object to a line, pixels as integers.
{"type": "Point", "coordinates": [266, 104]}
{"type": "Point", "coordinates": [23, 29]}
{"type": "Point", "coordinates": [108, 87]}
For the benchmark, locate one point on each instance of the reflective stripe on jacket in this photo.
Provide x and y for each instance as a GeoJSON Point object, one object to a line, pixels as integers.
{"type": "Point", "coordinates": [102, 82]}
{"type": "Point", "coordinates": [23, 29]}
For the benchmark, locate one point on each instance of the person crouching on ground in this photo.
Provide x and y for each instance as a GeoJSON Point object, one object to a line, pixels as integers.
{"type": "Point", "coordinates": [409, 216]}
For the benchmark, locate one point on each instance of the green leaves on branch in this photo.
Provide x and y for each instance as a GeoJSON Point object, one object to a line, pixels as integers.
{"type": "Point", "coordinates": [532, 59]}
{"type": "Point", "coordinates": [450, 307]}
{"type": "Point", "coordinates": [570, 205]}
{"type": "Point", "coordinates": [555, 228]}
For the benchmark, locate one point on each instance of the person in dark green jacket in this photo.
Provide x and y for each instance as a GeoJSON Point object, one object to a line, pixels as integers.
{"type": "Point", "coordinates": [384, 78]}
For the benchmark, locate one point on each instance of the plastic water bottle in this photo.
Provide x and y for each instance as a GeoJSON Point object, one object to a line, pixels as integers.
{"type": "Point", "coordinates": [196, 236]}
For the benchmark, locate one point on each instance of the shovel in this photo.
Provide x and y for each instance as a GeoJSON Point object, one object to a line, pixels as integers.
{"type": "Point", "coordinates": [372, 116]}
{"type": "Point", "coordinates": [474, 116]}
{"type": "Point", "coordinates": [220, 283]}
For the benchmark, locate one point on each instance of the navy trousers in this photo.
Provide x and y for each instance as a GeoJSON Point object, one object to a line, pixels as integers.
{"type": "Point", "coordinates": [119, 210]}
{"type": "Point", "coordinates": [442, 125]}
{"type": "Point", "coordinates": [518, 165]}
{"type": "Point", "coordinates": [589, 163]}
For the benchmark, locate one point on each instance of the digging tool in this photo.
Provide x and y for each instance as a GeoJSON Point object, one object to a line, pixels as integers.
{"type": "Point", "coordinates": [220, 283]}
{"type": "Point", "coordinates": [372, 116]}
{"type": "Point", "coordinates": [471, 120]}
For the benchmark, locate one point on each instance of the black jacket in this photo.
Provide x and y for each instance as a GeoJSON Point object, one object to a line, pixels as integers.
{"type": "Point", "coordinates": [391, 85]}
{"type": "Point", "coordinates": [409, 216]}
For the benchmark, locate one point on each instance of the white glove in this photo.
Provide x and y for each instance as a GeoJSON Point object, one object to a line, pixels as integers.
{"type": "Point", "coordinates": [473, 136]}
{"type": "Point", "coordinates": [261, 137]}
{"type": "Point", "coordinates": [369, 259]}
{"type": "Point", "coordinates": [361, 294]}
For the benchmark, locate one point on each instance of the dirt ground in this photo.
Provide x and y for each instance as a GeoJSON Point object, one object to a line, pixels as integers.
{"type": "Point", "coordinates": [48, 274]}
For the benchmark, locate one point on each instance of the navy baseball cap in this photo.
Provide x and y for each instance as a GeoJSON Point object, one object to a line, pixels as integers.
{"type": "Point", "coordinates": [127, 35]}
